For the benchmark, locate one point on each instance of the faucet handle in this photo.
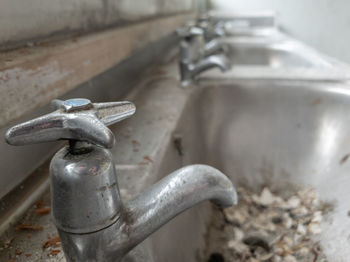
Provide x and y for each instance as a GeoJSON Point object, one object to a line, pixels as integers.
{"type": "Point", "coordinates": [76, 120]}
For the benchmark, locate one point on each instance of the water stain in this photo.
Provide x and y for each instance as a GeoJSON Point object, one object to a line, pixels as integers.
{"type": "Point", "coordinates": [344, 159]}
{"type": "Point", "coordinates": [316, 101]}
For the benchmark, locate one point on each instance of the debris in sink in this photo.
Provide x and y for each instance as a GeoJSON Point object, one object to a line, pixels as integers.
{"type": "Point", "coordinates": [178, 144]}
{"type": "Point", "coordinates": [29, 227]}
{"type": "Point", "coordinates": [268, 227]}
{"type": "Point", "coordinates": [54, 252]}
{"type": "Point", "coordinates": [43, 211]}
{"type": "Point", "coordinates": [52, 242]}
{"type": "Point", "coordinates": [136, 145]}
{"type": "Point", "coordinates": [147, 158]}
{"type": "Point", "coordinates": [8, 242]}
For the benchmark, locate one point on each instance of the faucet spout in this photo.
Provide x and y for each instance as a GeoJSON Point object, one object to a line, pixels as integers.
{"type": "Point", "coordinates": [174, 194]}
{"type": "Point", "coordinates": [214, 46]}
{"type": "Point", "coordinates": [211, 62]}
{"type": "Point", "coordinates": [149, 211]}
{"type": "Point", "coordinates": [93, 222]}
{"type": "Point", "coordinates": [190, 70]}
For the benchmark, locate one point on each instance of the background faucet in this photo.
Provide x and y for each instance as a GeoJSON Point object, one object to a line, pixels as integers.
{"type": "Point", "coordinates": [196, 56]}
{"type": "Point", "coordinates": [212, 29]}
{"type": "Point", "coordinates": [93, 222]}
{"type": "Point", "coordinates": [199, 39]}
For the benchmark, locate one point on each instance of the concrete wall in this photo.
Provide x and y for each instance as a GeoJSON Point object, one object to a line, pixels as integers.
{"type": "Point", "coordinates": [323, 24]}
{"type": "Point", "coordinates": [22, 22]}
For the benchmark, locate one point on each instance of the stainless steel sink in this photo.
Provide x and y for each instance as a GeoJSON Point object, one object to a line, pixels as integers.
{"type": "Point", "coordinates": [273, 51]}
{"type": "Point", "coordinates": [277, 56]}
{"type": "Point", "coordinates": [285, 55]}
{"type": "Point", "coordinates": [260, 22]}
{"type": "Point", "coordinates": [287, 134]}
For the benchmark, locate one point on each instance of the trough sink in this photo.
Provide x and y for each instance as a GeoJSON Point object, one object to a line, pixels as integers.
{"type": "Point", "coordinates": [277, 56]}
{"type": "Point", "coordinates": [287, 134]}
{"type": "Point", "coordinates": [260, 22]}
{"type": "Point", "coordinates": [284, 134]}
{"type": "Point", "coordinates": [274, 55]}
{"type": "Point", "coordinates": [274, 51]}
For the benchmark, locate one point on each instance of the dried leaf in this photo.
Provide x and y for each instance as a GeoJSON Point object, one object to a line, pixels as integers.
{"type": "Point", "coordinates": [43, 211]}
{"type": "Point", "coordinates": [29, 227]}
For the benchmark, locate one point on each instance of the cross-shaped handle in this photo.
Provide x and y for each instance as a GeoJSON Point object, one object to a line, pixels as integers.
{"type": "Point", "coordinates": [75, 119]}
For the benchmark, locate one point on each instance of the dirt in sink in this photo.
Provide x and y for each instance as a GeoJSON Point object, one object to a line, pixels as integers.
{"type": "Point", "coordinates": [267, 227]}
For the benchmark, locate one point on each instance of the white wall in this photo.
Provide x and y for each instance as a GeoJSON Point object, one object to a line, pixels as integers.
{"type": "Point", "coordinates": [323, 24]}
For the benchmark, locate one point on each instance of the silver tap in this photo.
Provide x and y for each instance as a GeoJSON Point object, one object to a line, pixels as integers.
{"type": "Point", "coordinates": [193, 62]}
{"type": "Point", "coordinates": [200, 46]}
{"type": "Point", "coordinates": [212, 29]}
{"type": "Point", "coordinates": [214, 46]}
{"type": "Point", "coordinates": [197, 56]}
{"type": "Point", "coordinates": [93, 222]}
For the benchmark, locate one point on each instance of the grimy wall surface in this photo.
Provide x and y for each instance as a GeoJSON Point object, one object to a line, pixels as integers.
{"type": "Point", "coordinates": [52, 34]}
{"type": "Point", "coordinates": [22, 22]}
{"type": "Point", "coordinates": [323, 24]}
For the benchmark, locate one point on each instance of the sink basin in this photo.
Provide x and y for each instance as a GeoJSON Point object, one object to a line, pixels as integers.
{"type": "Point", "coordinates": [273, 51]}
{"type": "Point", "coordinates": [273, 56]}
{"type": "Point", "coordinates": [285, 134]}
{"type": "Point", "coordinates": [277, 56]}
{"type": "Point", "coordinates": [259, 22]}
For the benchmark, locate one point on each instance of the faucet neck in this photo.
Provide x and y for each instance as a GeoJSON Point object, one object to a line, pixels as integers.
{"type": "Point", "coordinates": [84, 190]}
{"type": "Point", "coordinates": [146, 213]}
{"type": "Point", "coordinates": [77, 147]}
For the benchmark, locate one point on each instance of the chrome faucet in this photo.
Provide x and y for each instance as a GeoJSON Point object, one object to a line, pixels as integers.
{"type": "Point", "coordinates": [197, 56]}
{"type": "Point", "coordinates": [211, 28]}
{"type": "Point", "coordinates": [93, 222]}
{"type": "Point", "coordinates": [213, 47]}
{"type": "Point", "coordinates": [196, 35]}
